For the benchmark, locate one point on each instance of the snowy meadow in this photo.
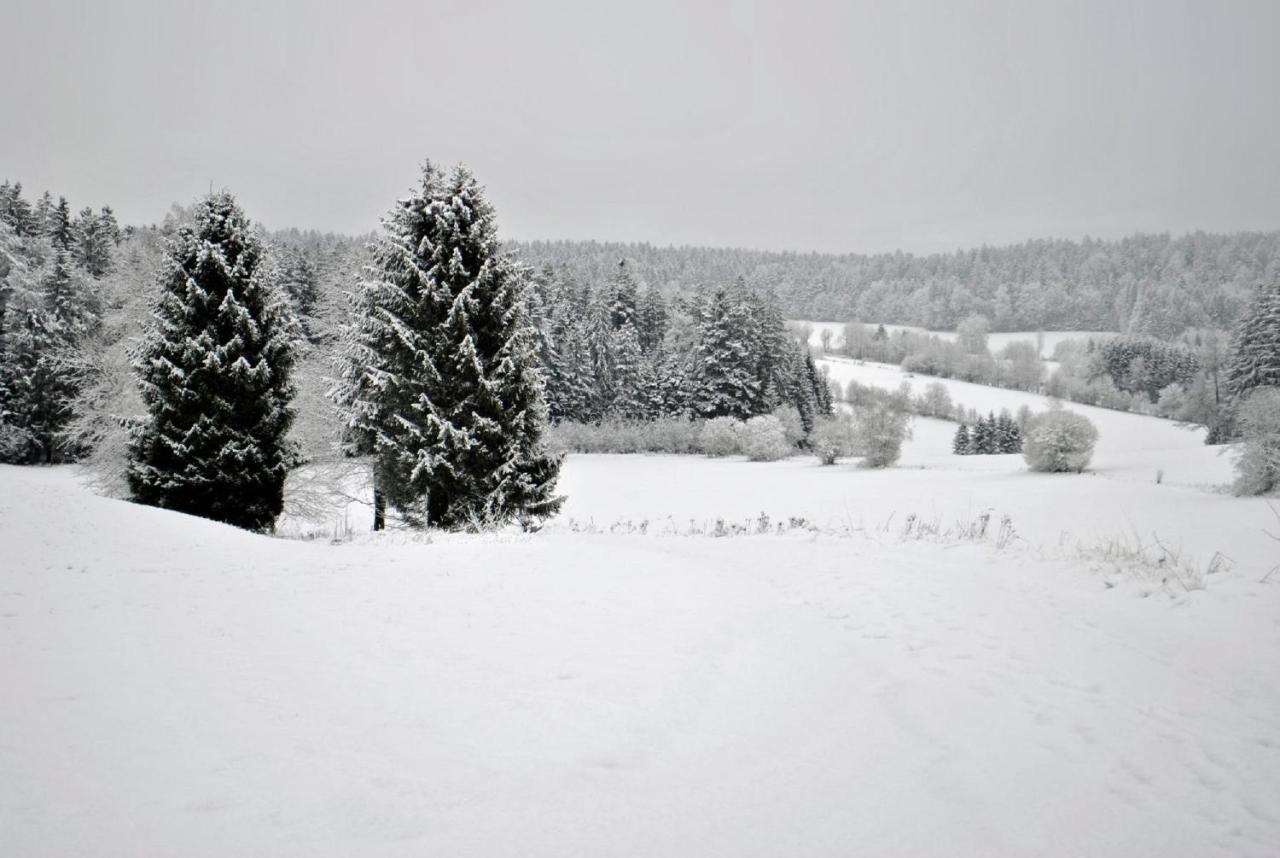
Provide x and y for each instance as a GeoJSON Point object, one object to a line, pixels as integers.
{"type": "Point", "coordinates": [626, 682]}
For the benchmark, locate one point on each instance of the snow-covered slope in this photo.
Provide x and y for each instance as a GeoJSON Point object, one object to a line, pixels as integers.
{"type": "Point", "coordinates": [995, 342]}
{"type": "Point", "coordinates": [173, 687]}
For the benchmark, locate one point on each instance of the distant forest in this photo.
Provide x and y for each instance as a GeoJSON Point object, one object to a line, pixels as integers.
{"type": "Point", "coordinates": [1155, 285]}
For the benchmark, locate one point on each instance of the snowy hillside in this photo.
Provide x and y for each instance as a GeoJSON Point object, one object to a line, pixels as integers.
{"type": "Point", "coordinates": [173, 686]}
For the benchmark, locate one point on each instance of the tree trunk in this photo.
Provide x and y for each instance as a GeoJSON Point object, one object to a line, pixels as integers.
{"type": "Point", "coordinates": [379, 506]}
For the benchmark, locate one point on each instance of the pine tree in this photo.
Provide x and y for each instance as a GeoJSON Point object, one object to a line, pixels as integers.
{"type": "Point", "coordinates": [981, 442]}
{"type": "Point", "coordinates": [725, 384]}
{"type": "Point", "coordinates": [623, 298]}
{"type": "Point", "coordinates": [214, 374]}
{"type": "Point", "coordinates": [92, 245]}
{"type": "Point", "coordinates": [1255, 359]}
{"type": "Point", "coordinates": [298, 279]}
{"type": "Point", "coordinates": [651, 321]}
{"type": "Point", "coordinates": [961, 444]}
{"type": "Point", "coordinates": [439, 372]}
{"type": "Point", "coordinates": [16, 211]}
{"type": "Point", "coordinates": [59, 229]}
{"type": "Point", "coordinates": [108, 225]}
{"type": "Point", "coordinates": [43, 214]}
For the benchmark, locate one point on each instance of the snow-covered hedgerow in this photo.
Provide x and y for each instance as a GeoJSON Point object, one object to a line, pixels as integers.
{"type": "Point", "coordinates": [1059, 441]}
{"type": "Point", "coordinates": [719, 437]}
{"type": "Point", "coordinates": [764, 439]}
{"type": "Point", "coordinates": [665, 435]}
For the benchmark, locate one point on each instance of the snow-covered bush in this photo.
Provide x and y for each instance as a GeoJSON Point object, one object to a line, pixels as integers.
{"type": "Point", "coordinates": [719, 437]}
{"type": "Point", "coordinates": [935, 401]}
{"type": "Point", "coordinates": [833, 438]}
{"type": "Point", "coordinates": [1258, 466]}
{"type": "Point", "coordinates": [792, 425]}
{"type": "Point", "coordinates": [1059, 440]}
{"type": "Point", "coordinates": [881, 429]}
{"type": "Point", "coordinates": [764, 439]}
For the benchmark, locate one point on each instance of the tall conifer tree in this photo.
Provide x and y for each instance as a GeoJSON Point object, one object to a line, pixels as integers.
{"type": "Point", "coordinates": [439, 376]}
{"type": "Point", "coordinates": [214, 374]}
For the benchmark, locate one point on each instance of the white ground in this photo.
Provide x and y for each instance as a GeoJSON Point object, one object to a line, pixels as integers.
{"type": "Point", "coordinates": [175, 687]}
{"type": "Point", "coordinates": [995, 342]}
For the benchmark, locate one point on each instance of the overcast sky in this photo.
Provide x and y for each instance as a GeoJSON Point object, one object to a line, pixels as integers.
{"type": "Point", "coordinates": [840, 126]}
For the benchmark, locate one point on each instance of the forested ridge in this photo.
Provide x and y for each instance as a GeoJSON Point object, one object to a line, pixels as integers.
{"type": "Point", "coordinates": [1156, 285]}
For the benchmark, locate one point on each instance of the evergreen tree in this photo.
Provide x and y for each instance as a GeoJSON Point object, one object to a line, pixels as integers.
{"type": "Point", "coordinates": [214, 371]}
{"type": "Point", "coordinates": [725, 384]}
{"type": "Point", "coordinates": [961, 444]}
{"type": "Point", "coordinates": [439, 373]}
{"type": "Point", "coordinates": [1255, 359]}
{"type": "Point", "coordinates": [92, 245]}
{"type": "Point", "coordinates": [16, 211]}
{"type": "Point", "coordinates": [107, 224]}
{"type": "Point", "coordinates": [623, 298]}
{"type": "Point", "coordinates": [982, 440]}
{"type": "Point", "coordinates": [651, 321]}
{"type": "Point", "coordinates": [632, 374]}
{"type": "Point", "coordinates": [43, 214]}
{"type": "Point", "coordinates": [298, 279]}
{"type": "Point", "coordinates": [59, 229]}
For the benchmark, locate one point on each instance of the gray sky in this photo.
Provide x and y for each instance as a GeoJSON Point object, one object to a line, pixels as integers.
{"type": "Point", "coordinates": [842, 126]}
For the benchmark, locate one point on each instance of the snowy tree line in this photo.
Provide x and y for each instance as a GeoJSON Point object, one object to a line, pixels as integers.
{"type": "Point", "coordinates": [614, 351]}
{"type": "Point", "coordinates": [1154, 285]}
{"type": "Point", "coordinates": [51, 265]}
{"type": "Point", "coordinates": [77, 291]}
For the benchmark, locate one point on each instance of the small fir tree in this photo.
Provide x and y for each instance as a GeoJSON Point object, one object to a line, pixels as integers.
{"type": "Point", "coordinates": [961, 444]}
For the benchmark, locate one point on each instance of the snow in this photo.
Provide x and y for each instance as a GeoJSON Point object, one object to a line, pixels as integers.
{"type": "Point", "coordinates": [174, 686]}
{"type": "Point", "coordinates": [995, 342]}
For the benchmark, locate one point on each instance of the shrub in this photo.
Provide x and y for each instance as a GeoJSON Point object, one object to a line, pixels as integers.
{"type": "Point", "coordinates": [719, 437]}
{"type": "Point", "coordinates": [792, 425]}
{"type": "Point", "coordinates": [1258, 466]}
{"type": "Point", "coordinates": [764, 439]}
{"type": "Point", "coordinates": [935, 402]}
{"type": "Point", "coordinates": [833, 438]}
{"type": "Point", "coordinates": [1058, 441]}
{"type": "Point", "coordinates": [880, 431]}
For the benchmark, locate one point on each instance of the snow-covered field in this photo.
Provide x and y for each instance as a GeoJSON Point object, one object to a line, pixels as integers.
{"type": "Point", "coordinates": [176, 687]}
{"type": "Point", "coordinates": [995, 342]}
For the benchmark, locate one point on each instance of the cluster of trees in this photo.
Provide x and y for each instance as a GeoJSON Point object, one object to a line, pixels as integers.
{"type": "Point", "coordinates": [1253, 385]}
{"type": "Point", "coordinates": [1145, 365]}
{"type": "Point", "coordinates": [618, 352]}
{"type": "Point", "coordinates": [1155, 285]}
{"type": "Point", "coordinates": [440, 385]}
{"type": "Point", "coordinates": [988, 435]}
{"type": "Point", "coordinates": [1017, 366]}
{"type": "Point", "coordinates": [51, 263]}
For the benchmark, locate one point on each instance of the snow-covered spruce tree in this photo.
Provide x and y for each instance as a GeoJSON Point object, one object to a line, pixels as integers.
{"type": "Point", "coordinates": [439, 378]}
{"type": "Point", "coordinates": [213, 371]}
{"type": "Point", "coordinates": [1255, 359]}
{"type": "Point", "coordinates": [724, 382]}
{"type": "Point", "coordinates": [961, 445]}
